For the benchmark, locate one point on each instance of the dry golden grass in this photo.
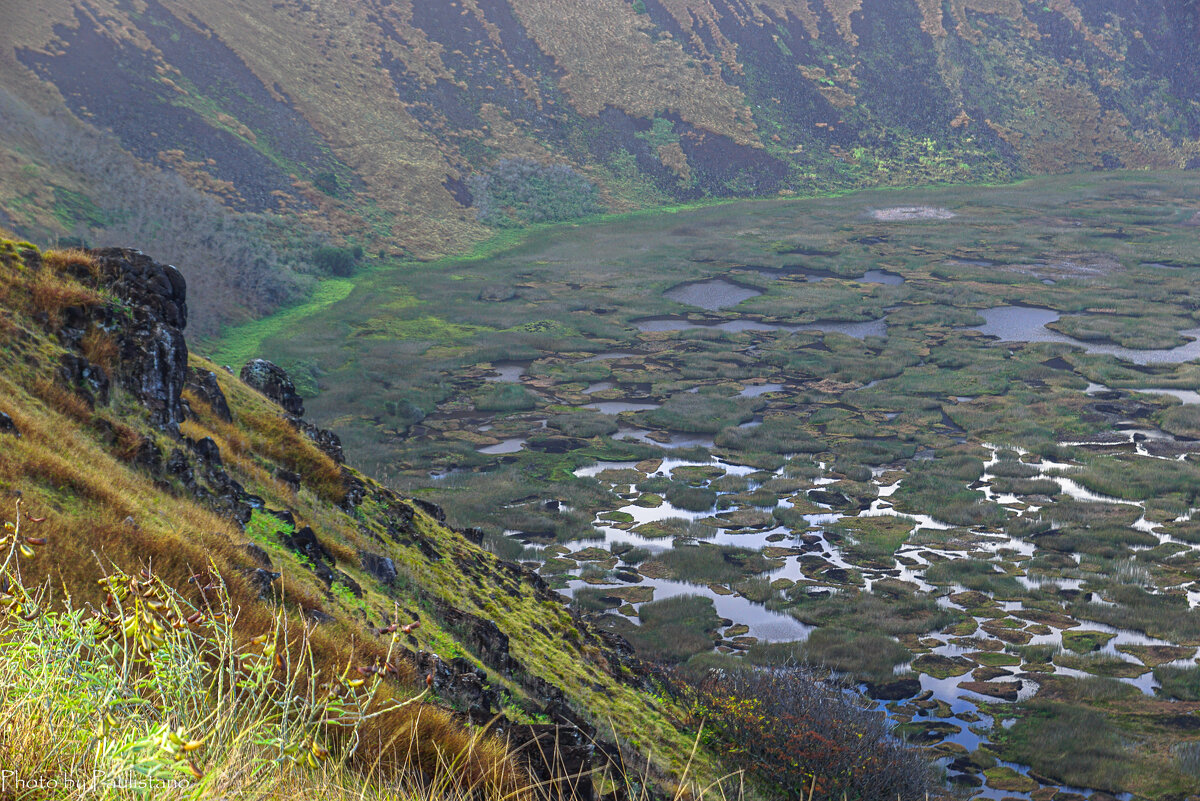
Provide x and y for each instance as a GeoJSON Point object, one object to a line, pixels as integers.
{"type": "Point", "coordinates": [108, 524]}
{"type": "Point", "coordinates": [52, 293]}
{"type": "Point", "coordinates": [250, 717]}
{"type": "Point", "coordinates": [100, 347]}
{"type": "Point", "coordinates": [62, 400]}
{"type": "Point", "coordinates": [274, 438]}
{"type": "Point", "coordinates": [127, 442]}
{"type": "Point", "coordinates": [71, 260]}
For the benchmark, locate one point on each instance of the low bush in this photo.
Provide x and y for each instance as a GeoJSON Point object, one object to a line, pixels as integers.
{"type": "Point", "coordinates": [869, 613]}
{"type": "Point", "coordinates": [802, 738]}
{"type": "Point", "coordinates": [697, 413]}
{"type": "Point", "coordinates": [583, 424]}
{"type": "Point", "coordinates": [693, 499]}
{"type": "Point", "coordinates": [521, 191]}
{"type": "Point", "coordinates": [773, 436]}
{"type": "Point", "coordinates": [337, 261]}
{"type": "Point", "coordinates": [1075, 745]}
{"type": "Point", "coordinates": [940, 487]}
{"type": "Point", "coordinates": [1157, 614]}
{"type": "Point", "coordinates": [714, 564]}
{"type": "Point", "coordinates": [974, 574]}
{"type": "Point", "coordinates": [504, 398]}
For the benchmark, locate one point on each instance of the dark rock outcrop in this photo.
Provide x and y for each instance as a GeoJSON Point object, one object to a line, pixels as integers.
{"type": "Point", "coordinates": [207, 451]}
{"type": "Point", "coordinates": [258, 554]}
{"type": "Point", "coordinates": [7, 426]}
{"type": "Point", "coordinates": [305, 541]}
{"type": "Point", "coordinates": [204, 384]}
{"type": "Point", "coordinates": [356, 490]}
{"type": "Point", "coordinates": [481, 635]}
{"type": "Point", "coordinates": [431, 509]}
{"type": "Point", "coordinates": [348, 583]}
{"type": "Point", "coordinates": [323, 438]}
{"type": "Point", "coordinates": [461, 683]}
{"type": "Point", "coordinates": [896, 690]}
{"type": "Point", "coordinates": [180, 467]}
{"type": "Point", "coordinates": [381, 567]}
{"type": "Point", "coordinates": [286, 476]}
{"type": "Point", "coordinates": [152, 354]}
{"type": "Point", "coordinates": [318, 616]}
{"type": "Point", "coordinates": [559, 757]}
{"type": "Point", "coordinates": [320, 559]}
{"type": "Point", "coordinates": [89, 380]}
{"type": "Point", "coordinates": [272, 381]}
{"type": "Point", "coordinates": [262, 580]}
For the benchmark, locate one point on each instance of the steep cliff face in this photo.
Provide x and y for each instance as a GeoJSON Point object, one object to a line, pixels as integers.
{"type": "Point", "coordinates": [141, 456]}
{"type": "Point", "coordinates": [370, 118]}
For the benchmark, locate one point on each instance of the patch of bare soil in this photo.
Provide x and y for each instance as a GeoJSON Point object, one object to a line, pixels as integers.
{"type": "Point", "coordinates": [907, 213]}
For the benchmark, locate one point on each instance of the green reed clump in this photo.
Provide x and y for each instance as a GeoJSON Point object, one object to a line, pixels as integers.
{"type": "Point", "coordinates": [674, 629]}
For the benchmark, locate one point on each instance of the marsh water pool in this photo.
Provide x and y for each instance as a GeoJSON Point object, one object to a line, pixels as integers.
{"type": "Point", "coordinates": [714, 294]}
{"type": "Point", "coordinates": [1028, 324]}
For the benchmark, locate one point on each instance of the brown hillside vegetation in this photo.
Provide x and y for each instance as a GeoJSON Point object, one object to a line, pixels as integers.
{"type": "Point", "coordinates": [365, 121]}
{"type": "Point", "coordinates": [89, 475]}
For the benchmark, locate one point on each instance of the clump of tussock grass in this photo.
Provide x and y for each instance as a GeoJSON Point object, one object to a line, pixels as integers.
{"type": "Point", "coordinates": [1180, 683]}
{"type": "Point", "coordinates": [719, 564]}
{"type": "Point", "coordinates": [672, 630]}
{"type": "Point", "coordinates": [1079, 746]}
{"type": "Point", "coordinates": [864, 656]}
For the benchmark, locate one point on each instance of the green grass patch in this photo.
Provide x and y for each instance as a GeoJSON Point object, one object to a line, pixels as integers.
{"type": "Point", "coordinates": [239, 344]}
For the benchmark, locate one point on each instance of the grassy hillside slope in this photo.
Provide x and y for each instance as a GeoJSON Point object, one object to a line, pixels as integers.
{"type": "Point", "coordinates": [123, 460]}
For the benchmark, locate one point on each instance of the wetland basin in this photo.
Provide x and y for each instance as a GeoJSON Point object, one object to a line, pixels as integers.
{"type": "Point", "coordinates": [880, 512]}
{"type": "Point", "coordinates": [994, 673]}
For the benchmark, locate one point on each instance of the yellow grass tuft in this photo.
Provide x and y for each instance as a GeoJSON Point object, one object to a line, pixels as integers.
{"type": "Point", "coordinates": [100, 347]}
{"type": "Point", "coordinates": [274, 438]}
{"type": "Point", "coordinates": [71, 260]}
{"type": "Point", "coordinates": [51, 294]}
{"type": "Point", "coordinates": [62, 400]}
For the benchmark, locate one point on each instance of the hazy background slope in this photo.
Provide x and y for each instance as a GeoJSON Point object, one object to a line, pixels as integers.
{"type": "Point", "coordinates": [235, 137]}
